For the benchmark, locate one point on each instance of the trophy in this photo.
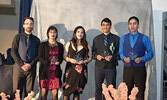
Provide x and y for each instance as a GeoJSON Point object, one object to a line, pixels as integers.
{"type": "Point", "coordinates": [132, 55]}
{"type": "Point", "coordinates": [53, 59]}
{"type": "Point", "coordinates": [105, 53]}
{"type": "Point", "coordinates": [78, 57]}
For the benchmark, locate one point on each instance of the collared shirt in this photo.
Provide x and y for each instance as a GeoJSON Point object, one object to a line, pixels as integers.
{"type": "Point", "coordinates": [28, 33]}
{"type": "Point", "coordinates": [133, 39]}
{"type": "Point", "coordinates": [106, 35]}
{"type": "Point", "coordinates": [26, 36]}
{"type": "Point", "coordinates": [98, 48]}
{"type": "Point", "coordinates": [106, 38]}
{"type": "Point", "coordinates": [95, 55]}
{"type": "Point", "coordinates": [15, 46]}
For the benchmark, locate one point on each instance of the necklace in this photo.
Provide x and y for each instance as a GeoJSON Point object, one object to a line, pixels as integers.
{"type": "Point", "coordinates": [52, 45]}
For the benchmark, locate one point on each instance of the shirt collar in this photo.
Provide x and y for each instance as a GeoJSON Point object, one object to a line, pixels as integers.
{"type": "Point", "coordinates": [25, 34]}
{"type": "Point", "coordinates": [28, 33]}
{"type": "Point", "coordinates": [107, 35]}
{"type": "Point", "coordinates": [136, 34]}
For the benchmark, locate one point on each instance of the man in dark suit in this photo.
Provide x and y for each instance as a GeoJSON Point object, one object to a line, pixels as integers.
{"type": "Point", "coordinates": [25, 54]}
{"type": "Point", "coordinates": [105, 51]}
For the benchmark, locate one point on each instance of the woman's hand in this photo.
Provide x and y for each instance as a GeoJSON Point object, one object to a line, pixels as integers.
{"type": "Point", "coordinates": [57, 63]}
{"type": "Point", "coordinates": [73, 61]}
{"type": "Point", "coordinates": [81, 62]}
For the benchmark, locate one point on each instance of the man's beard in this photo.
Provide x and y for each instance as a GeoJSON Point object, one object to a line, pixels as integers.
{"type": "Point", "coordinates": [29, 30]}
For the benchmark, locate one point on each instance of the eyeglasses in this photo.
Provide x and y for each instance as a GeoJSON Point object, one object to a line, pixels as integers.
{"type": "Point", "coordinates": [28, 24]}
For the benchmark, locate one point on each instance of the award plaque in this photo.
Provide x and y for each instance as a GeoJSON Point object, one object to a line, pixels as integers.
{"type": "Point", "coordinates": [132, 55]}
{"type": "Point", "coordinates": [78, 57]}
{"type": "Point", "coordinates": [105, 53]}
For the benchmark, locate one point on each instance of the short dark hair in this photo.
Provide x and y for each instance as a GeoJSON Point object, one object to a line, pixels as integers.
{"type": "Point", "coordinates": [29, 18]}
{"type": "Point", "coordinates": [134, 17]}
{"type": "Point", "coordinates": [106, 20]}
{"type": "Point", "coordinates": [52, 28]}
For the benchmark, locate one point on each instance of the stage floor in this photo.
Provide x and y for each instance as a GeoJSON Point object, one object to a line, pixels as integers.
{"type": "Point", "coordinates": [6, 83]}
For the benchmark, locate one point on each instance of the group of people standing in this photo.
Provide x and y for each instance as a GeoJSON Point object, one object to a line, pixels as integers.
{"type": "Point", "coordinates": [106, 50]}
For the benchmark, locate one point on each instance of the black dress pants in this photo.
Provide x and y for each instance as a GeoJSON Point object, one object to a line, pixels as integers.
{"type": "Point", "coordinates": [100, 75]}
{"type": "Point", "coordinates": [135, 76]}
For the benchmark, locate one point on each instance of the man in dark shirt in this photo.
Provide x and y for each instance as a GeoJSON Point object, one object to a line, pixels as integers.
{"type": "Point", "coordinates": [105, 51]}
{"type": "Point", "coordinates": [25, 54]}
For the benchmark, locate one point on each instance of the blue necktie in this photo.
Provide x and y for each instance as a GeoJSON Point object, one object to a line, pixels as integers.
{"type": "Point", "coordinates": [105, 40]}
{"type": "Point", "coordinates": [133, 41]}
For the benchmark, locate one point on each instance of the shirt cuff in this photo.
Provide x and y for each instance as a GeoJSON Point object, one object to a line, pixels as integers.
{"type": "Point", "coordinates": [144, 59]}
{"type": "Point", "coordinates": [123, 57]}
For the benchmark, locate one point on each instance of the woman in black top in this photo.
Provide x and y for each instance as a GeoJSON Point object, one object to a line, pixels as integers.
{"type": "Point", "coordinates": [77, 54]}
{"type": "Point", "coordinates": [50, 57]}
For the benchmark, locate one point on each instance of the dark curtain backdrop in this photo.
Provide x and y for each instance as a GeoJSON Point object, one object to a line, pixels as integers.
{"type": "Point", "coordinates": [25, 8]}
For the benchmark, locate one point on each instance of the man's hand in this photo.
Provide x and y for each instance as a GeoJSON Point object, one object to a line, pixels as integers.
{"type": "Point", "coordinates": [138, 60]}
{"type": "Point", "coordinates": [108, 58]}
{"type": "Point", "coordinates": [127, 60]}
{"type": "Point", "coordinates": [27, 66]}
{"type": "Point", "coordinates": [99, 57]}
{"type": "Point", "coordinates": [24, 68]}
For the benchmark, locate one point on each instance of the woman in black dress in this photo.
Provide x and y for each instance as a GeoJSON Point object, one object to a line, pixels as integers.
{"type": "Point", "coordinates": [77, 54]}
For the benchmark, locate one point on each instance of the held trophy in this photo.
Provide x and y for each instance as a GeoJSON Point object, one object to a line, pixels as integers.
{"type": "Point", "coordinates": [132, 55]}
{"type": "Point", "coordinates": [78, 57]}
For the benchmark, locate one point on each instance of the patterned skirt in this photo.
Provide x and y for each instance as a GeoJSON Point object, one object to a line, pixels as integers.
{"type": "Point", "coordinates": [53, 82]}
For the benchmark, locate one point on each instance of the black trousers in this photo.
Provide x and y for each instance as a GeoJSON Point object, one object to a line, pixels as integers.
{"type": "Point", "coordinates": [100, 75]}
{"type": "Point", "coordinates": [135, 76]}
{"type": "Point", "coordinates": [22, 80]}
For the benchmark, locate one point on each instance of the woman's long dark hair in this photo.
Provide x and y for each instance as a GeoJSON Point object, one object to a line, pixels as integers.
{"type": "Point", "coordinates": [84, 43]}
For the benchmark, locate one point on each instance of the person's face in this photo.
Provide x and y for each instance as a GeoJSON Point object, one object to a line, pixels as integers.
{"type": "Point", "coordinates": [52, 34]}
{"type": "Point", "coordinates": [133, 26]}
{"type": "Point", "coordinates": [79, 33]}
{"type": "Point", "coordinates": [28, 25]}
{"type": "Point", "coordinates": [105, 27]}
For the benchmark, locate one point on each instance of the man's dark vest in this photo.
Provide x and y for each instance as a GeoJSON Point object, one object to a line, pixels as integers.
{"type": "Point", "coordinates": [27, 52]}
{"type": "Point", "coordinates": [138, 48]}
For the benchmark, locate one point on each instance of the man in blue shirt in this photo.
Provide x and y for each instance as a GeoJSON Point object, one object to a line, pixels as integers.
{"type": "Point", "coordinates": [132, 51]}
